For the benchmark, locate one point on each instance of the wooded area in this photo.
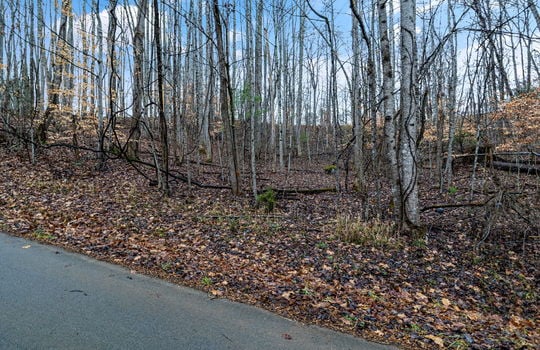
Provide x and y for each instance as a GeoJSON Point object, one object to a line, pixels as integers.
{"type": "Point", "coordinates": [372, 132]}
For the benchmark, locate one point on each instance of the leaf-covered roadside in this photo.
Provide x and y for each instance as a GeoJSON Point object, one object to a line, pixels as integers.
{"type": "Point", "coordinates": [415, 295]}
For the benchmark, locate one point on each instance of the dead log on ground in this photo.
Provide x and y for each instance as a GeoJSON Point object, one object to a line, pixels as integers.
{"type": "Point", "coordinates": [528, 169]}
{"type": "Point", "coordinates": [293, 191]}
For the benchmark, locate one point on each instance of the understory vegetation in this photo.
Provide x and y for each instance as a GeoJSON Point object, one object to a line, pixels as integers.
{"type": "Point", "coordinates": [368, 166]}
{"type": "Point", "coordinates": [470, 281]}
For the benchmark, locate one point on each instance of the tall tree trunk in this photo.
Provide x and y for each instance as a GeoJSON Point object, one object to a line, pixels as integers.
{"type": "Point", "coordinates": [372, 94]}
{"type": "Point", "coordinates": [358, 125]}
{"type": "Point", "coordinates": [371, 78]}
{"type": "Point", "coordinates": [300, 92]}
{"type": "Point", "coordinates": [138, 80]}
{"type": "Point", "coordinates": [226, 102]}
{"type": "Point", "coordinates": [98, 81]}
{"type": "Point", "coordinates": [210, 89]}
{"type": "Point", "coordinates": [408, 161]}
{"type": "Point", "coordinates": [250, 99]}
{"type": "Point", "coordinates": [451, 102]}
{"type": "Point", "coordinates": [2, 35]}
{"type": "Point", "coordinates": [59, 66]}
{"type": "Point", "coordinates": [388, 105]}
{"type": "Point", "coordinates": [112, 93]}
{"type": "Point", "coordinates": [332, 98]}
{"type": "Point", "coordinates": [258, 76]}
{"type": "Point", "coordinates": [163, 129]}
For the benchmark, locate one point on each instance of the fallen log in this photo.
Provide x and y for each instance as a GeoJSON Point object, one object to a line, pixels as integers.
{"type": "Point", "coordinates": [453, 205]}
{"type": "Point", "coordinates": [529, 169]}
{"type": "Point", "coordinates": [292, 191]}
{"type": "Point", "coordinates": [468, 158]}
{"type": "Point", "coordinates": [459, 205]}
{"type": "Point", "coordinates": [304, 191]}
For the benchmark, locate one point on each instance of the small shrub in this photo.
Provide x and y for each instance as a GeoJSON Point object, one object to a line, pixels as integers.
{"type": "Point", "coordinates": [233, 224]}
{"type": "Point", "coordinates": [40, 233]}
{"type": "Point", "coordinates": [306, 291]}
{"type": "Point", "coordinates": [269, 227]}
{"type": "Point", "coordinates": [373, 295]}
{"type": "Point", "coordinates": [376, 232]}
{"type": "Point", "coordinates": [160, 232]}
{"type": "Point", "coordinates": [322, 245]}
{"type": "Point", "coordinates": [452, 190]}
{"type": "Point", "coordinates": [351, 318]}
{"type": "Point", "coordinates": [330, 169]}
{"type": "Point", "coordinates": [206, 281]}
{"type": "Point", "coordinates": [419, 243]}
{"type": "Point", "coordinates": [459, 344]}
{"type": "Point", "coordinates": [415, 328]}
{"type": "Point", "coordinates": [115, 150]}
{"type": "Point", "coordinates": [267, 199]}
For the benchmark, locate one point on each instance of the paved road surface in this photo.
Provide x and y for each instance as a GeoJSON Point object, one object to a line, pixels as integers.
{"type": "Point", "coordinates": [53, 299]}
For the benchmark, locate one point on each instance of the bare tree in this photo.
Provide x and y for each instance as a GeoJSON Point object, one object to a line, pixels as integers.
{"type": "Point", "coordinates": [332, 91]}
{"type": "Point", "coordinates": [138, 79]}
{"type": "Point", "coordinates": [300, 92]}
{"type": "Point", "coordinates": [98, 78]}
{"type": "Point", "coordinates": [408, 160]}
{"type": "Point", "coordinates": [388, 103]}
{"type": "Point", "coordinates": [371, 74]}
{"type": "Point", "coordinates": [452, 86]}
{"type": "Point", "coordinates": [60, 64]}
{"type": "Point", "coordinates": [163, 129]}
{"type": "Point", "coordinates": [226, 102]}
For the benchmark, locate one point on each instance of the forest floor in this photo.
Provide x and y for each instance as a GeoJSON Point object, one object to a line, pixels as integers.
{"type": "Point", "coordinates": [311, 258]}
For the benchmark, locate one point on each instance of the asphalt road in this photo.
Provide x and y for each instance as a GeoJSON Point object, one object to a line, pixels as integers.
{"type": "Point", "coordinates": [53, 299]}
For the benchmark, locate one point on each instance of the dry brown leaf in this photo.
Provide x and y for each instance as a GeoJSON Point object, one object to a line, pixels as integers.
{"type": "Point", "coordinates": [287, 295]}
{"type": "Point", "coordinates": [436, 340]}
{"type": "Point", "coordinates": [473, 316]}
{"type": "Point", "coordinates": [216, 292]}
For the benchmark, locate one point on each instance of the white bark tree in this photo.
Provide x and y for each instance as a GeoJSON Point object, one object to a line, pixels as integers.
{"type": "Point", "coordinates": [388, 103]}
{"type": "Point", "coordinates": [408, 156]}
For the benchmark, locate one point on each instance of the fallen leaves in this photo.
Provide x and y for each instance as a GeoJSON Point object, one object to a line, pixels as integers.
{"type": "Point", "coordinates": [445, 302]}
{"type": "Point", "coordinates": [291, 262]}
{"type": "Point", "coordinates": [473, 315]}
{"type": "Point", "coordinates": [436, 340]}
{"type": "Point", "coordinates": [216, 292]}
{"type": "Point", "coordinates": [287, 295]}
{"type": "Point", "coordinates": [516, 322]}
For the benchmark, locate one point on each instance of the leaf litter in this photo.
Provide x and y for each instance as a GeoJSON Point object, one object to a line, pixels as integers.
{"type": "Point", "coordinates": [439, 294]}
